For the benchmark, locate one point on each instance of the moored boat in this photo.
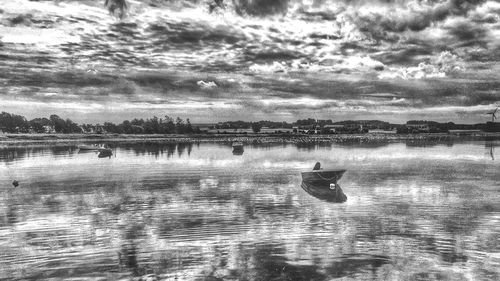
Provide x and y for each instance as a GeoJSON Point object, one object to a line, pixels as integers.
{"type": "Point", "coordinates": [237, 145]}
{"type": "Point", "coordinates": [105, 153]}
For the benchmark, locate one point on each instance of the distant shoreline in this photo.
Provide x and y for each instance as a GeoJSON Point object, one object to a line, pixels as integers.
{"type": "Point", "coordinates": [74, 139]}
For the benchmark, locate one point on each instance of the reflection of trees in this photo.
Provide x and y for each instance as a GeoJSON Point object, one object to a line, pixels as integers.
{"type": "Point", "coordinates": [306, 146]}
{"type": "Point", "coordinates": [356, 143]}
{"type": "Point", "coordinates": [429, 142]}
{"type": "Point", "coordinates": [128, 253]}
{"type": "Point", "coordinates": [157, 149]}
{"type": "Point", "coordinates": [9, 154]}
{"type": "Point", "coordinates": [269, 262]}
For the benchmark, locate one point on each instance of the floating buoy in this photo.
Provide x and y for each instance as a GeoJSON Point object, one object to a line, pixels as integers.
{"type": "Point", "coordinates": [15, 183]}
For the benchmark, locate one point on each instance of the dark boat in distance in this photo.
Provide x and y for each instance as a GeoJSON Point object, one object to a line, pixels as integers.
{"type": "Point", "coordinates": [105, 153]}
{"type": "Point", "coordinates": [237, 145]}
{"type": "Point", "coordinates": [323, 176]}
{"type": "Point", "coordinates": [237, 148]}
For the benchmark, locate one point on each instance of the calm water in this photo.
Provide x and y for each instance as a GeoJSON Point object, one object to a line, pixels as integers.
{"type": "Point", "coordinates": [198, 212]}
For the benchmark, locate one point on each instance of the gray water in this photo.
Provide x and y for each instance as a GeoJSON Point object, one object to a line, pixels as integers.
{"type": "Point", "coordinates": [198, 212]}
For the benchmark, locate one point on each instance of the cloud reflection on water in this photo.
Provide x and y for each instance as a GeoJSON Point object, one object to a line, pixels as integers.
{"type": "Point", "coordinates": [172, 215]}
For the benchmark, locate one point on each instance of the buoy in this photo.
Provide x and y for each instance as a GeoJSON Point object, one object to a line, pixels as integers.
{"type": "Point", "coordinates": [15, 183]}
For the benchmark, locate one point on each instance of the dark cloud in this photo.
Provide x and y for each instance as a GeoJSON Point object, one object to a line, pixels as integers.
{"type": "Point", "coordinates": [260, 7]}
{"type": "Point", "coordinates": [192, 33]}
{"type": "Point", "coordinates": [377, 25]}
{"type": "Point", "coordinates": [271, 55]}
{"type": "Point", "coordinates": [29, 78]}
{"type": "Point", "coordinates": [469, 34]}
{"type": "Point", "coordinates": [410, 55]}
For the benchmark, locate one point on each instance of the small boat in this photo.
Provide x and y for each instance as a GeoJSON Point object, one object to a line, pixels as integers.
{"type": "Point", "coordinates": [237, 148]}
{"type": "Point", "coordinates": [323, 176]}
{"type": "Point", "coordinates": [237, 145]}
{"type": "Point", "coordinates": [322, 184]}
{"type": "Point", "coordinates": [105, 153]}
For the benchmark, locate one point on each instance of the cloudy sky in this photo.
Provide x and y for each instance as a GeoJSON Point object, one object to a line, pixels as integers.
{"type": "Point", "coordinates": [391, 60]}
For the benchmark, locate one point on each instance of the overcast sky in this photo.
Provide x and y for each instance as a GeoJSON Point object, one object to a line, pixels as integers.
{"type": "Point", "coordinates": [392, 60]}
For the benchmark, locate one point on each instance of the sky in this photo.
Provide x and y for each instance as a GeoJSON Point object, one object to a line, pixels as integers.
{"type": "Point", "coordinates": [282, 60]}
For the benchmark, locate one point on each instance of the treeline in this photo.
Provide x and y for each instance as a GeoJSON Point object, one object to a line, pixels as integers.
{"type": "Point", "coordinates": [272, 124]}
{"type": "Point", "coordinates": [247, 125]}
{"type": "Point", "coordinates": [153, 125]}
{"type": "Point", "coordinates": [12, 123]}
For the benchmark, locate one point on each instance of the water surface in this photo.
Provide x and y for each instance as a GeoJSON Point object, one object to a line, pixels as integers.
{"type": "Point", "coordinates": [198, 212]}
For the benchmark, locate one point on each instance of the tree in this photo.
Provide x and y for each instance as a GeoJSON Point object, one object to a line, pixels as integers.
{"type": "Point", "coordinates": [111, 128]}
{"type": "Point", "coordinates": [59, 123]}
{"type": "Point", "coordinates": [38, 124]}
{"type": "Point", "coordinates": [72, 127]}
{"type": "Point", "coordinates": [179, 126]}
{"type": "Point", "coordinates": [168, 125]}
{"type": "Point", "coordinates": [189, 127]}
{"type": "Point", "coordinates": [125, 127]}
{"type": "Point", "coordinates": [13, 123]}
{"type": "Point", "coordinates": [256, 126]}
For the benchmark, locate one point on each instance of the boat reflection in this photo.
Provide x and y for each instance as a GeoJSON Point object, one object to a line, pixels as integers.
{"type": "Point", "coordinates": [105, 153]}
{"type": "Point", "coordinates": [324, 191]}
{"type": "Point", "coordinates": [237, 148]}
{"type": "Point", "coordinates": [238, 151]}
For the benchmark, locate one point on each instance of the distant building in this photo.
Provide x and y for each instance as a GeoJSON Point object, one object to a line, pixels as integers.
{"type": "Point", "coordinates": [386, 132]}
{"type": "Point", "coordinates": [353, 127]}
{"type": "Point", "coordinates": [464, 132]}
{"type": "Point", "coordinates": [332, 129]}
{"type": "Point", "coordinates": [267, 130]}
{"type": "Point", "coordinates": [49, 129]}
{"type": "Point", "coordinates": [418, 128]}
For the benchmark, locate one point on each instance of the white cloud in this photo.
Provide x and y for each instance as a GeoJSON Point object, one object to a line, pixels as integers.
{"type": "Point", "coordinates": [206, 85]}
{"type": "Point", "coordinates": [445, 63]}
{"type": "Point", "coordinates": [268, 68]}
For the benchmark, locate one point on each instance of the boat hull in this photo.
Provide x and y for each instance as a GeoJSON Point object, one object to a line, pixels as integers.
{"type": "Point", "coordinates": [323, 176]}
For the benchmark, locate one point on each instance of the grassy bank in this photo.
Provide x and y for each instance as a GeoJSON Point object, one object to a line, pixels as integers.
{"type": "Point", "coordinates": [74, 139]}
